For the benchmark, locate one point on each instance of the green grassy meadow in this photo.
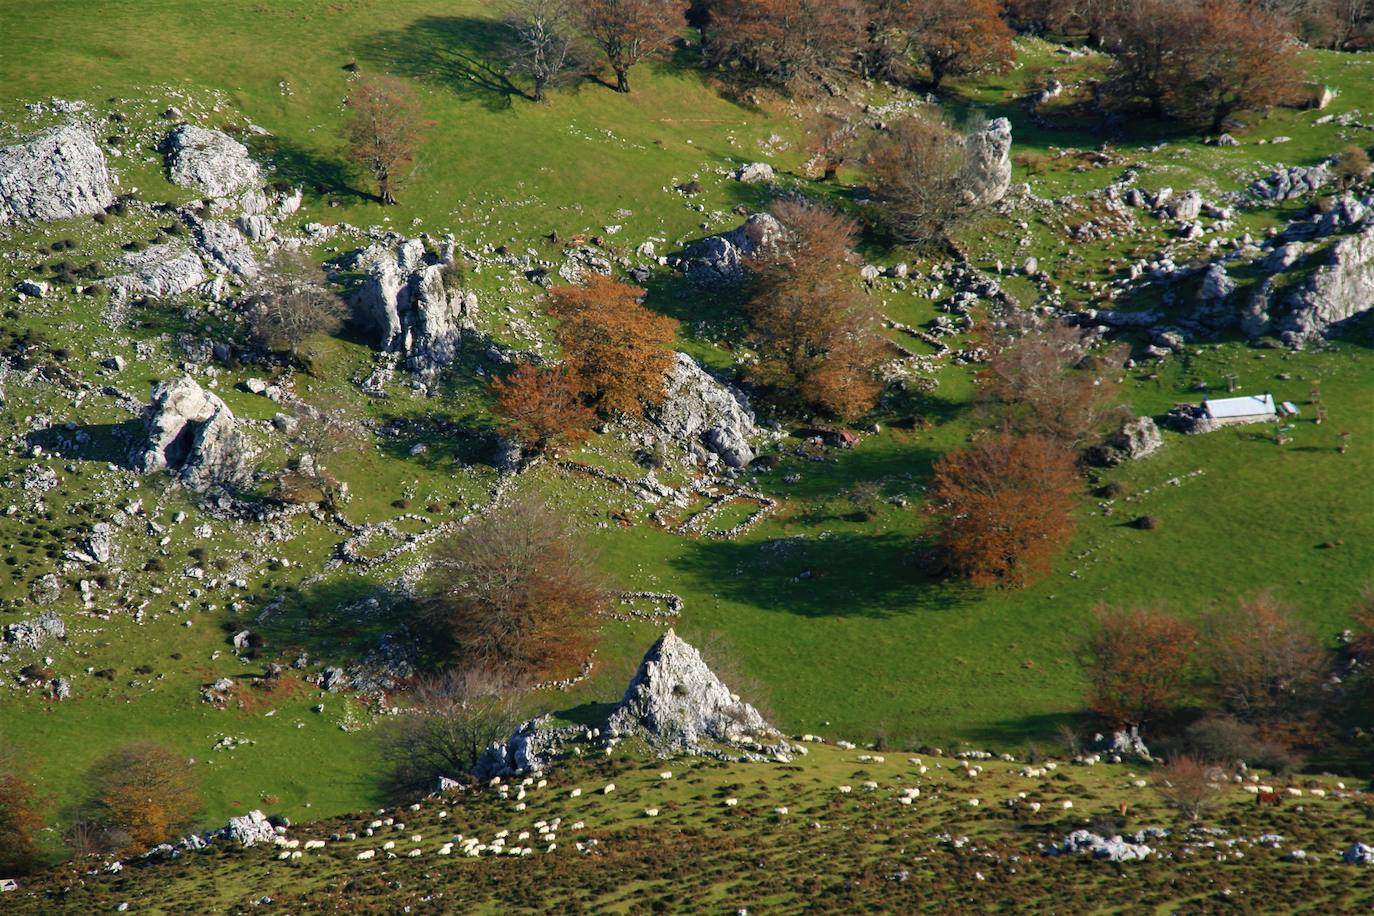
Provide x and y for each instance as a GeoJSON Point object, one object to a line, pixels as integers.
{"type": "Point", "coordinates": [845, 632]}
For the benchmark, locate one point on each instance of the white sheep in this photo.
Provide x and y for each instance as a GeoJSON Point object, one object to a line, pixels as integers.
{"type": "Point", "coordinates": [651, 812]}
{"type": "Point", "coordinates": [366, 854]}
{"type": "Point", "coordinates": [574, 793]}
{"type": "Point", "coordinates": [446, 849]}
{"type": "Point", "coordinates": [845, 790]}
{"type": "Point", "coordinates": [610, 787]}
{"type": "Point", "coordinates": [731, 802]}
{"type": "Point", "coordinates": [414, 854]}
{"type": "Point", "coordinates": [666, 774]}
{"type": "Point", "coordinates": [314, 844]}
{"type": "Point", "coordinates": [780, 810]}
{"type": "Point", "coordinates": [389, 844]}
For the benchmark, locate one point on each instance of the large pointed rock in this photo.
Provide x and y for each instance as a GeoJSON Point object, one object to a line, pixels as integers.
{"type": "Point", "coordinates": [676, 701]}
{"type": "Point", "coordinates": [192, 433]}
{"type": "Point", "coordinates": [987, 164]}
{"type": "Point", "coordinates": [55, 175]}
{"type": "Point", "coordinates": [404, 302]}
{"type": "Point", "coordinates": [696, 407]}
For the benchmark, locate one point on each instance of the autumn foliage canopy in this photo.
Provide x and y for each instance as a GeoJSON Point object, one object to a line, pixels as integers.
{"type": "Point", "coordinates": [1003, 508]}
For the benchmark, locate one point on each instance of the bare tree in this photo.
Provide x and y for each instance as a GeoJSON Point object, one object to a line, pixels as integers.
{"type": "Point", "coordinates": [453, 718]}
{"type": "Point", "coordinates": [627, 31]}
{"type": "Point", "coordinates": [384, 129]}
{"type": "Point", "coordinates": [317, 436]}
{"type": "Point", "coordinates": [916, 175]}
{"type": "Point", "coordinates": [292, 303]}
{"type": "Point", "coordinates": [539, 41]}
{"type": "Point", "coordinates": [1191, 786]}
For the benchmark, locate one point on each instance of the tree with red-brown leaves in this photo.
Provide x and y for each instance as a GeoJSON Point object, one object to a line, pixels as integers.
{"type": "Point", "coordinates": [1203, 60]}
{"type": "Point", "coordinates": [541, 407]}
{"type": "Point", "coordinates": [1003, 508]}
{"type": "Point", "coordinates": [1267, 667]}
{"type": "Point", "coordinates": [794, 45]}
{"type": "Point", "coordinates": [817, 336]}
{"type": "Point", "coordinates": [1040, 378]}
{"type": "Point", "coordinates": [20, 821]}
{"type": "Point", "coordinates": [146, 793]}
{"type": "Point", "coordinates": [515, 594]}
{"type": "Point", "coordinates": [1241, 57]}
{"type": "Point", "coordinates": [1141, 664]}
{"type": "Point", "coordinates": [384, 130]}
{"type": "Point", "coordinates": [618, 353]}
{"type": "Point", "coordinates": [960, 37]}
{"type": "Point", "coordinates": [628, 31]}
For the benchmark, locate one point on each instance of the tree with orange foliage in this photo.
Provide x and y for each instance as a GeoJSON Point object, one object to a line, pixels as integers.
{"type": "Point", "coordinates": [628, 31]}
{"type": "Point", "coordinates": [541, 407]}
{"type": "Point", "coordinates": [515, 594]}
{"type": "Point", "coordinates": [794, 45]}
{"type": "Point", "coordinates": [1141, 664]}
{"type": "Point", "coordinates": [1203, 60]}
{"type": "Point", "coordinates": [1040, 378]}
{"type": "Point", "coordinates": [20, 821]}
{"type": "Point", "coordinates": [618, 353]}
{"type": "Point", "coordinates": [817, 336]}
{"type": "Point", "coordinates": [384, 130]}
{"type": "Point", "coordinates": [960, 37]}
{"type": "Point", "coordinates": [146, 792]}
{"type": "Point", "coordinates": [1003, 508]}
{"type": "Point", "coordinates": [1267, 666]}
{"type": "Point", "coordinates": [1240, 57]}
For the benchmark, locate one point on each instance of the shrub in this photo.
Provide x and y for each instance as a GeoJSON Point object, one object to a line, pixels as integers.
{"type": "Point", "coordinates": [1003, 508]}
{"type": "Point", "coordinates": [515, 596]}
{"type": "Point", "coordinates": [1140, 666]}
{"type": "Point", "coordinates": [1190, 785]}
{"type": "Point", "coordinates": [20, 821]}
{"type": "Point", "coordinates": [147, 792]}
{"type": "Point", "coordinates": [915, 172]}
{"type": "Point", "coordinates": [1352, 166]}
{"type": "Point", "coordinates": [454, 718]}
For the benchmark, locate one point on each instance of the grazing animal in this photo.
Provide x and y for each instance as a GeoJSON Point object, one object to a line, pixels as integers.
{"type": "Point", "coordinates": [1269, 798]}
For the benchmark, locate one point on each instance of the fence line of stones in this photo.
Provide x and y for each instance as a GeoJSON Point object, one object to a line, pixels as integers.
{"type": "Point", "coordinates": [673, 606]}
{"type": "Point", "coordinates": [696, 524]}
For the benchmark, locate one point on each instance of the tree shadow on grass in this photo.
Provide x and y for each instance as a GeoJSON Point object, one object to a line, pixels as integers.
{"type": "Point", "coordinates": [833, 575]}
{"type": "Point", "coordinates": [332, 621]}
{"type": "Point", "coordinates": [309, 169]}
{"type": "Point", "coordinates": [457, 53]}
{"type": "Point", "coordinates": [1041, 729]}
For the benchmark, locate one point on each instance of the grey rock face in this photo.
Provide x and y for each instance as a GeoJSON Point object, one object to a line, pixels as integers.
{"type": "Point", "coordinates": [404, 301]}
{"type": "Point", "coordinates": [1186, 206]}
{"type": "Point", "coordinates": [531, 748]}
{"type": "Point", "coordinates": [169, 269]}
{"type": "Point", "coordinates": [1288, 183]}
{"type": "Point", "coordinates": [57, 174]}
{"type": "Point", "coordinates": [98, 546]}
{"type": "Point", "coordinates": [32, 634]}
{"type": "Point", "coordinates": [1138, 438]}
{"type": "Point", "coordinates": [1122, 743]}
{"type": "Point", "coordinates": [224, 246]}
{"type": "Point", "coordinates": [191, 433]}
{"type": "Point", "coordinates": [697, 406]}
{"type": "Point", "coordinates": [1339, 290]}
{"type": "Point", "coordinates": [719, 259]}
{"type": "Point", "coordinates": [249, 830]}
{"type": "Point", "coordinates": [1358, 854]}
{"type": "Point", "coordinates": [987, 163]}
{"type": "Point", "coordinates": [754, 172]}
{"type": "Point", "coordinates": [675, 701]}
{"type": "Point", "coordinates": [210, 161]}
{"type": "Point", "coordinates": [1113, 849]}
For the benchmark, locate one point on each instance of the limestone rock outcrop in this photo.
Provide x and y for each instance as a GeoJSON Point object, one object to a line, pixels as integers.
{"type": "Point", "coordinates": [192, 433]}
{"type": "Point", "coordinates": [719, 259]}
{"type": "Point", "coordinates": [210, 161]}
{"type": "Point", "coordinates": [169, 269]}
{"type": "Point", "coordinates": [404, 302]}
{"type": "Point", "coordinates": [987, 163]}
{"type": "Point", "coordinates": [1340, 289]}
{"type": "Point", "coordinates": [676, 701]}
{"type": "Point", "coordinates": [57, 174]}
{"type": "Point", "coordinates": [697, 408]}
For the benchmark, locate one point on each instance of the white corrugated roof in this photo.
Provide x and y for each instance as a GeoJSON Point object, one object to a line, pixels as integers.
{"type": "Point", "coordinates": [1249, 406]}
